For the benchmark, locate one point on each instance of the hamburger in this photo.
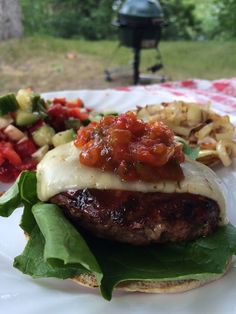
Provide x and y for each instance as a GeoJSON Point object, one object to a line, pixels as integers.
{"type": "Point", "coordinates": [122, 207]}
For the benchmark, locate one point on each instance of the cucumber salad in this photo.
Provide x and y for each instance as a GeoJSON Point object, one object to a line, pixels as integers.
{"type": "Point", "coordinates": [30, 126]}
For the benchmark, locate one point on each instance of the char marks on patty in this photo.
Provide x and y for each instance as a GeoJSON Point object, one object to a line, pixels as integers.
{"type": "Point", "coordinates": [140, 218]}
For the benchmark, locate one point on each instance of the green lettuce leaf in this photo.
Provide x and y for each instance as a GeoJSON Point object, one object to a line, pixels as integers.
{"type": "Point", "coordinates": [22, 193]}
{"type": "Point", "coordinates": [28, 187]}
{"type": "Point", "coordinates": [63, 243]}
{"type": "Point", "coordinates": [55, 248]}
{"type": "Point", "coordinates": [203, 258]}
{"type": "Point", "coordinates": [33, 263]}
{"type": "Point", "coordinates": [10, 200]}
{"type": "Point", "coordinates": [28, 195]}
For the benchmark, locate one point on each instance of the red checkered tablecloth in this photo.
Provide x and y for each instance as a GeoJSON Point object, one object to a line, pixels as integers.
{"type": "Point", "coordinates": [221, 93]}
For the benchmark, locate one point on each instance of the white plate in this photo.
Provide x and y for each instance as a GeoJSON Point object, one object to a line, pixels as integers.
{"type": "Point", "coordinates": [23, 295]}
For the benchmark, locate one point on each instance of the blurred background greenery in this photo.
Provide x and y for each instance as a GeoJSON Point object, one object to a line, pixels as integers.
{"type": "Point", "coordinates": [91, 19]}
{"type": "Point", "coordinates": [66, 43]}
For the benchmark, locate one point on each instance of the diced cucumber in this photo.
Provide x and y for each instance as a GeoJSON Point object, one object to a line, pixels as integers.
{"type": "Point", "coordinates": [95, 116]}
{"type": "Point", "coordinates": [110, 113]}
{"type": "Point", "coordinates": [63, 137]}
{"type": "Point", "coordinates": [39, 154]}
{"type": "Point", "coordinates": [43, 135]}
{"type": "Point", "coordinates": [39, 105]}
{"type": "Point", "coordinates": [8, 103]}
{"type": "Point", "coordinates": [23, 98]}
{"type": "Point", "coordinates": [73, 123]}
{"type": "Point", "coordinates": [26, 118]}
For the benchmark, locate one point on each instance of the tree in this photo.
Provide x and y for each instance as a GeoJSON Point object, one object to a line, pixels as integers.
{"type": "Point", "coordinates": [227, 18]}
{"type": "Point", "coordinates": [90, 19]}
{"type": "Point", "coordinates": [10, 19]}
{"type": "Point", "coordinates": [182, 22]}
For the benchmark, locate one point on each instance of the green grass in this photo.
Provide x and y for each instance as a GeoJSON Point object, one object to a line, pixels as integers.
{"type": "Point", "coordinates": [182, 59]}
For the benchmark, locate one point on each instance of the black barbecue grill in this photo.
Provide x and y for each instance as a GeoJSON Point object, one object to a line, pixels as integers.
{"type": "Point", "coordinates": [139, 25]}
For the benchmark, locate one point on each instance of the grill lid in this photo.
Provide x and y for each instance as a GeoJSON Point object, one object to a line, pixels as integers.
{"type": "Point", "coordinates": [142, 8]}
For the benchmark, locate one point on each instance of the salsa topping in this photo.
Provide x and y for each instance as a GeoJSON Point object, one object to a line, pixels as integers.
{"type": "Point", "coordinates": [131, 148]}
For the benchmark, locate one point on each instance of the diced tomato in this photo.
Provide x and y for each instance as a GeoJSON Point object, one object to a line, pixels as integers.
{"type": "Point", "coordinates": [36, 126]}
{"type": "Point", "coordinates": [12, 161]}
{"type": "Point", "coordinates": [2, 136]}
{"type": "Point", "coordinates": [60, 101]}
{"type": "Point", "coordinates": [8, 173]}
{"type": "Point", "coordinates": [30, 164]}
{"type": "Point", "coordinates": [25, 148]}
{"type": "Point", "coordinates": [85, 134]}
{"type": "Point", "coordinates": [4, 144]}
{"type": "Point", "coordinates": [77, 113]}
{"type": "Point", "coordinates": [92, 155]}
{"type": "Point", "coordinates": [57, 116]}
{"type": "Point", "coordinates": [61, 110]}
{"type": "Point", "coordinates": [73, 113]}
{"type": "Point", "coordinates": [80, 103]}
{"type": "Point", "coordinates": [120, 137]}
{"type": "Point", "coordinates": [126, 172]}
{"type": "Point", "coordinates": [57, 111]}
{"type": "Point", "coordinates": [12, 156]}
{"type": "Point", "coordinates": [71, 105]}
{"type": "Point", "coordinates": [15, 157]}
{"type": "Point", "coordinates": [2, 159]}
{"type": "Point", "coordinates": [8, 153]}
{"type": "Point", "coordinates": [133, 149]}
{"type": "Point", "coordinates": [75, 104]}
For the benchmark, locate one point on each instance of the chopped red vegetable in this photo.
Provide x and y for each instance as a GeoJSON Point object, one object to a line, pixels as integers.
{"type": "Point", "coordinates": [133, 149]}
{"type": "Point", "coordinates": [61, 110]}
{"type": "Point", "coordinates": [60, 101]}
{"type": "Point", "coordinates": [25, 148]}
{"type": "Point", "coordinates": [9, 154]}
{"type": "Point", "coordinates": [60, 114]}
{"type": "Point", "coordinates": [15, 158]}
{"type": "Point", "coordinates": [36, 126]}
{"type": "Point", "coordinates": [8, 173]}
{"type": "Point", "coordinates": [75, 104]}
{"type": "Point", "coordinates": [77, 113]}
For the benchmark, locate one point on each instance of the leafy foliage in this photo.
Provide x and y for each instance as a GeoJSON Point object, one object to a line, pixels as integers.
{"type": "Point", "coordinates": [91, 19]}
{"type": "Point", "coordinates": [226, 18]}
{"type": "Point", "coordinates": [88, 19]}
{"type": "Point", "coordinates": [181, 19]}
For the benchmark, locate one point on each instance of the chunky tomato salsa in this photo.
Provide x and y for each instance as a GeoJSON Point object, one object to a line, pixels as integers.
{"type": "Point", "coordinates": [131, 148]}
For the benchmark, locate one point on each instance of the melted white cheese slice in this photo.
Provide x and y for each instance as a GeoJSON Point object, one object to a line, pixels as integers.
{"type": "Point", "coordinates": [60, 170]}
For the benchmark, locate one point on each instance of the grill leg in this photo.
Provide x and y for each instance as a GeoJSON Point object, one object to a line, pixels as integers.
{"type": "Point", "coordinates": [107, 70]}
{"type": "Point", "coordinates": [136, 65]}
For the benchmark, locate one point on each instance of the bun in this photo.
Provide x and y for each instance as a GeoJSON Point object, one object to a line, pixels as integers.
{"type": "Point", "coordinates": [152, 286]}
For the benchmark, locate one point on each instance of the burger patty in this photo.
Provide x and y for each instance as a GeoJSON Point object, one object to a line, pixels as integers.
{"type": "Point", "coordinates": [140, 218]}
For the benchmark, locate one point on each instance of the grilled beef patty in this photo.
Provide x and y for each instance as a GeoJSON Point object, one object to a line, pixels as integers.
{"type": "Point", "coordinates": [140, 218]}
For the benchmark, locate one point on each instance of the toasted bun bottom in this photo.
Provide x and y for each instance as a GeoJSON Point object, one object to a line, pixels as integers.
{"type": "Point", "coordinates": [150, 286]}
